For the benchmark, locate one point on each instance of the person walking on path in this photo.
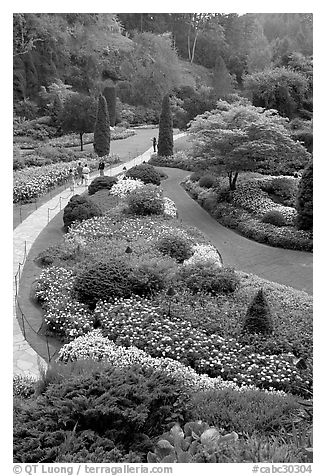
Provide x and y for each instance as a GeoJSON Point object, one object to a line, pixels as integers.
{"type": "Point", "coordinates": [101, 167]}
{"type": "Point", "coordinates": [80, 174]}
{"type": "Point", "coordinates": [154, 143]}
{"type": "Point", "coordinates": [72, 180]}
{"type": "Point", "coordinates": [86, 172]}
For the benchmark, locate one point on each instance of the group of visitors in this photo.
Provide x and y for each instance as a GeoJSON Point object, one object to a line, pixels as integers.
{"type": "Point", "coordinates": [84, 171]}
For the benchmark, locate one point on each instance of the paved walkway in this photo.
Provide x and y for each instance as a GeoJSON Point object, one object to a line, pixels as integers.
{"type": "Point", "coordinates": [289, 267]}
{"type": "Point", "coordinates": [26, 360]}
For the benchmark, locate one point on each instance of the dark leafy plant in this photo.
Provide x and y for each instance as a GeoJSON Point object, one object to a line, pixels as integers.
{"type": "Point", "coordinates": [102, 129]}
{"type": "Point", "coordinates": [274, 218]}
{"type": "Point", "coordinates": [100, 183]}
{"type": "Point", "coordinates": [258, 319]}
{"type": "Point", "coordinates": [103, 280]}
{"type": "Point", "coordinates": [79, 208]}
{"type": "Point", "coordinates": [146, 173]}
{"type": "Point", "coordinates": [207, 181]}
{"type": "Point", "coordinates": [175, 246]}
{"type": "Point", "coordinates": [209, 279]}
{"type": "Point", "coordinates": [305, 199]}
{"type": "Point", "coordinates": [165, 138]}
{"type": "Point", "coordinates": [146, 200]}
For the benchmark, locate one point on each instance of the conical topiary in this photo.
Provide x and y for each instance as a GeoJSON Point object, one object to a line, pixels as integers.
{"type": "Point", "coordinates": [110, 94]}
{"type": "Point", "coordinates": [165, 137]}
{"type": "Point", "coordinates": [102, 129]}
{"type": "Point", "coordinates": [258, 319]}
{"type": "Point", "coordinates": [305, 199]}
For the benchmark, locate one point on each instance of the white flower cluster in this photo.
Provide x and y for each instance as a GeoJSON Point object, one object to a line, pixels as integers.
{"type": "Point", "coordinates": [62, 314]}
{"type": "Point", "coordinates": [204, 254]}
{"type": "Point", "coordinates": [124, 186]}
{"type": "Point", "coordinates": [94, 346]}
{"type": "Point", "coordinates": [251, 197]}
{"type": "Point", "coordinates": [169, 207]}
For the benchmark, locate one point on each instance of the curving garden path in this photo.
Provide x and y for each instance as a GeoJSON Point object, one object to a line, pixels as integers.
{"type": "Point", "coordinates": [292, 268]}
{"type": "Point", "coordinates": [289, 267]}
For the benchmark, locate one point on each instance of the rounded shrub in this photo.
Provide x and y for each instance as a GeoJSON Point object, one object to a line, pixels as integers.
{"type": "Point", "coordinates": [258, 318]}
{"type": "Point", "coordinates": [208, 278]}
{"type": "Point", "coordinates": [146, 173]}
{"type": "Point", "coordinates": [150, 276]}
{"type": "Point", "coordinates": [207, 181]}
{"type": "Point", "coordinates": [146, 200]}
{"type": "Point", "coordinates": [175, 246]}
{"type": "Point", "coordinates": [100, 183]}
{"type": "Point", "coordinates": [274, 218]}
{"type": "Point", "coordinates": [79, 208]}
{"type": "Point", "coordinates": [103, 280]}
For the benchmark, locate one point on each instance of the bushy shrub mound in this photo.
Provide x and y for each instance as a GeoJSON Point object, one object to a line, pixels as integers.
{"type": "Point", "coordinates": [274, 218]}
{"type": "Point", "coordinates": [103, 281]}
{"type": "Point", "coordinates": [79, 208]}
{"type": "Point", "coordinates": [176, 246]}
{"type": "Point", "coordinates": [99, 183]}
{"type": "Point", "coordinates": [146, 200]}
{"type": "Point", "coordinates": [207, 181]}
{"type": "Point", "coordinates": [258, 319]}
{"type": "Point", "coordinates": [105, 414]}
{"type": "Point", "coordinates": [146, 173]}
{"type": "Point", "coordinates": [209, 278]}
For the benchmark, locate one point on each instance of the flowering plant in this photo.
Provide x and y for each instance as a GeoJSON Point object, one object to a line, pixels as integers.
{"type": "Point", "coordinates": [124, 186]}
{"type": "Point", "coordinates": [204, 254]}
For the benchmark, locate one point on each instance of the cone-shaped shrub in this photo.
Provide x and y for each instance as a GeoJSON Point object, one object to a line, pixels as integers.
{"type": "Point", "coordinates": [258, 319]}
{"type": "Point", "coordinates": [305, 199]}
{"type": "Point", "coordinates": [165, 137]}
{"type": "Point", "coordinates": [102, 129]}
{"type": "Point", "coordinates": [110, 95]}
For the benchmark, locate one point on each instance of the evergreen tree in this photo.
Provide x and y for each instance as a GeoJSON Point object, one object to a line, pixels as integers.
{"type": "Point", "coordinates": [258, 318]}
{"type": "Point", "coordinates": [110, 95]}
{"type": "Point", "coordinates": [165, 137]}
{"type": "Point", "coordinates": [102, 128]}
{"type": "Point", "coordinates": [56, 112]}
{"type": "Point", "coordinates": [305, 199]}
{"type": "Point", "coordinates": [222, 79]}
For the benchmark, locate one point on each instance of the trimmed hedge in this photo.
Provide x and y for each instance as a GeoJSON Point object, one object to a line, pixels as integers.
{"type": "Point", "coordinates": [146, 173]}
{"type": "Point", "coordinates": [99, 183]}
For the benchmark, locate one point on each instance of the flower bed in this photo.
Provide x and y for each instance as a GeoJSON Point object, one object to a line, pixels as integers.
{"type": "Point", "coordinates": [200, 331]}
{"type": "Point", "coordinates": [32, 182]}
{"type": "Point", "coordinates": [245, 212]}
{"type": "Point", "coordinates": [97, 347]}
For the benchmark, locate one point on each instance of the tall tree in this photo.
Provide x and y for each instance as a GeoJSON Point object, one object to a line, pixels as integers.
{"type": "Point", "coordinates": [165, 138]}
{"type": "Point", "coordinates": [305, 199]}
{"type": "Point", "coordinates": [78, 115]}
{"type": "Point", "coordinates": [238, 137]}
{"type": "Point", "coordinates": [110, 95]}
{"type": "Point", "coordinates": [102, 129]}
{"type": "Point", "coordinates": [222, 79]}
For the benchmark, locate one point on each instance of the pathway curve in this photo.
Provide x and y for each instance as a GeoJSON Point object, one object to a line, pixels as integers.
{"type": "Point", "coordinates": [289, 267]}
{"type": "Point", "coordinates": [26, 360]}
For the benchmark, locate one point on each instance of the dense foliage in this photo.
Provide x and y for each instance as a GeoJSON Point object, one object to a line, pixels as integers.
{"type": "Point", "coordinates": [102, 128]}
{"type": "Point", "coordinates": [305, 199]}
{"type": "Point", "coordinates": [165, 137]}
{"type": "Point", "coordinates": [144, 172]}
{"type": "Point", "coordinates": [79, 208]}
{"type": "Point", "coordinates": [100, 183]}
{"type": "Point", "coordinates": [240, 137]}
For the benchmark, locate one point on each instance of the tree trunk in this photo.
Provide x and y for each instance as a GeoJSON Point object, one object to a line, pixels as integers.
{"type": "Point", "coordinates": [81, 140]}
{"type": "Point", "coordinates": [194, 47]}
{"type": "Point", "coordinates": [232, 181]}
